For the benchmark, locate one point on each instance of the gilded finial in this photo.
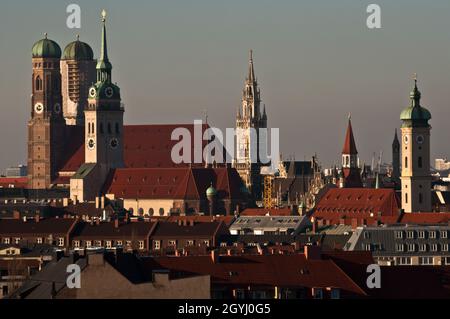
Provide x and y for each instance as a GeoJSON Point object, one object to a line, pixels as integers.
{"type": "Point", "coordinates": [349, 116]}
{"type": "Point", "coordinates": [78, 37]}
{"type": "Point", "coordinates": [45, 35]}
{"type": "Point", "coordinates": [103, 15]}
{"type": "Point", "coordinates": [251, 55]}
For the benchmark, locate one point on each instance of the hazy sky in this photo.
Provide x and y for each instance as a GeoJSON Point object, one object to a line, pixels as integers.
{"type": "Point", "coordinates": [316, 61]}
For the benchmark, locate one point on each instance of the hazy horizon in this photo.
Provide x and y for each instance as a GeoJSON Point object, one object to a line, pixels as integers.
{"type": "Point", "coordinates": [315, 61]}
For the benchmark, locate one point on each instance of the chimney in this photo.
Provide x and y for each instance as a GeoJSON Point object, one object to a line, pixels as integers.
{"type": "Point", "coordinates": [315, 226]}
{"type": "Point", "coordinates": [354, 223]}
{"type": "Point", "coordinates": [16, 214]}
{"type": "Point", "coordinates": [97, 221]}
{"type": "Point", "coordinates": [65, 202]}
{"type": "Point", "coordinates": [75, 199]}
{"type": "Point", "coordinates": [312, 252]}
{"type": "Point", "coordinates": [116, 223]}
{"type": "Point", "coordinates": [97, 202]}
{"type": "Point", "coordinates": [37, 218]}
{"type": "Point", "coordinates": [102, 202]}
{"type": "Point", "coordinates": [214, 256]}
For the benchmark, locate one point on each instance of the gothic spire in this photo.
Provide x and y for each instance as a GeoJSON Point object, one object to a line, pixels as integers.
{"type": "Point", "coordinates": [103, 65]}
{"type": "Point", "coordinates": [251, 70]}
{"type": "Point", "coordinates": [396, 142]}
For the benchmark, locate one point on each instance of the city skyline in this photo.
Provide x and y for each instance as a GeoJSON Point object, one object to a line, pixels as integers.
{"type": "Point", "coordinates": [309, 120]}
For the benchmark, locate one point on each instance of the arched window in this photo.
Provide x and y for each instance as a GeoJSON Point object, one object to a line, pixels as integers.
{"type": "Point", "coordinates": [38, 83]}
{"type": "Point", "coordinates": [420, 198]}
{"type": "Point", "coordinates": [141, 212]}
{"type": "Point", "coordinates": [89, 128]}
{"type": "Point", "coordinates": [161, 212]}
{"type": "Point", "coordinates": [117, 128]}
{"type": "Point", "coordinates": [151, 211]}
{"type": "Point", "coordinates": [420, 161]}
{"type": "Point", "coordinates": [406, 162]}
{"type": "Point", "coordinates": [109, 128]}
{"type": "Point", "coordinates": [131, 210]}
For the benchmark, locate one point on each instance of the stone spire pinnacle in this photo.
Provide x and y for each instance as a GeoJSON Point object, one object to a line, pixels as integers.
{"type": "Point", "coordinates": [251, 70]}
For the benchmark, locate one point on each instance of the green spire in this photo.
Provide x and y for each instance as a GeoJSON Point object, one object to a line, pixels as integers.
{"type": "Point", "coordinates": [103, 65]}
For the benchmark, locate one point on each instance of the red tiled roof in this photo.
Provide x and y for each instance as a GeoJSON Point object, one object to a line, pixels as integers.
{"type": "Point", "coordinates": [265, 211]}
{"type": "Point", "coordinates": [349, 144]}
{"type": "Point", "coordinates": [271, 270]}
{"type": "Point", "coordinates": [108, 230]}
{"type": "Point", "coordinates": [145, 146]}
{"type": "Point", "coordinates": [425, 218]}
{"type": "Point", "coordinates": [17, 182]}
{"type": "Point", "coordinates": [195, 218]}
{"type": "Point", "coordinates": [173, 183]}
{"type": "Point", "coordinates": [174, 230]}
{"type": "Point", "coordinates": [13, 227]}
{"type": "Point", "coordinates": [351, 203]}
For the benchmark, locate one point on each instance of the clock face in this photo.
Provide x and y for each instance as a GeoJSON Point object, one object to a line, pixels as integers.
{"type": "Point", "coordinates": [57, 108]}
{"type": "Point", "coordinates": [114, 143]}
{"type": "Point", "coordinates": [92, 92]}
{"type": "Point", "coordinates": [39, 108]}
{"type": "Point", "coordinates": [91, 144]}
{"type": "Point", "coordinates": [406, 139]}
{"type": "Point", "coordinates": [109, 91]}
{"type": "Point", "coordinates": [420, 139]}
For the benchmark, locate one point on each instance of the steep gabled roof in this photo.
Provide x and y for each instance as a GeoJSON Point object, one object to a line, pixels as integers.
{"type": "Point", "coordinates": [349, 144]}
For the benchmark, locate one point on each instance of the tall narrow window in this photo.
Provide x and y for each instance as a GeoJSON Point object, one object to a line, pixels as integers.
{"type": "Point", "coordinates": [406, 162]}
{"type": "Point", "coordinates": [420, 198]}
{"type": "Point", "coordinates": [117, 128]}
{"type": "Point", "coordinates": [406, 198]}
{"type": "Point", "coordinates": [101, 128]}
{"type": "Point", "coordinates": [109, 128]}
{"type": "Point", "coordinates": [420, 161]}
{"type": "Point", "coordinates": [38, 83]}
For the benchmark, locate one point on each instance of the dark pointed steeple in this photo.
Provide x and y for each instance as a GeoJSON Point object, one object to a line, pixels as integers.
{"type": "Point", "coordinates": [104, 67]}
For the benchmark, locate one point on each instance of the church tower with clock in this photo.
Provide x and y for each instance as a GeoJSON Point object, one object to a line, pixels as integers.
{"type": "Point", "coordinates": [415, 146]}
{"type": "Point", "coordinates": [46, 128]}
{"type": "Point", "coordinates": [104, 115]}
{"type": "Point", "coordinates": [103, 130]}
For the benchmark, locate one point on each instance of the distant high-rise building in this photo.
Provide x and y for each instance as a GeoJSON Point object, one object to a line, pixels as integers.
{"type": "Point", "coordinates": [249, 142]}
{"type": "Point", "coordinates": [416, 178]}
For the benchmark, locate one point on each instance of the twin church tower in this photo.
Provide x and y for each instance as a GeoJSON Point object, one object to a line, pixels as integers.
{"type": "Point", "coordinates": [67, 93]}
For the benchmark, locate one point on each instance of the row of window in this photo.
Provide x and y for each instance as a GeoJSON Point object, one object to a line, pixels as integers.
{"type": "Point", "coordinates": [424, 261]}
{"type": "Point", "coordinates": [419, 162]}
{"type": "Point", "coordinates": [39, 240]}
{"type": "Point", "coordinates": [421, 247]}
{"type": "Point", "coordinates": [173, 243]}
{"type": "Point", "coordinates": [422, 234]}
{"type": "Point", "coordinates": [105, 244]}
{"type": "Point", "coordinates": [45, 65]}
{"type": "Point", "coordinates": [91, 128]}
